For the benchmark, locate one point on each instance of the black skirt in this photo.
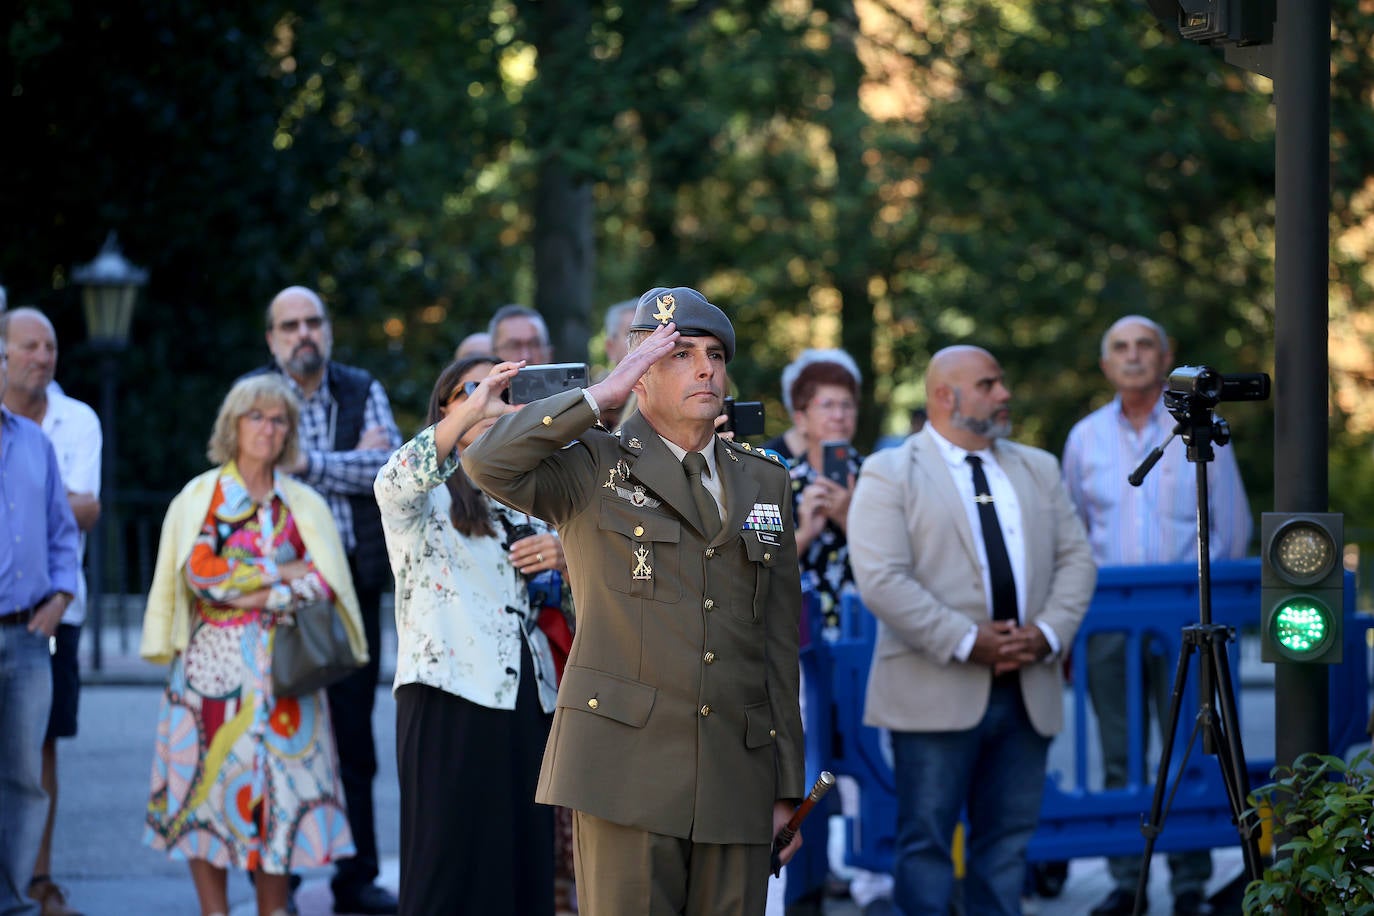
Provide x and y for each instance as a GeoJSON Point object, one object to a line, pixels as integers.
{"type": "Point", "coordinates": [472, 838]}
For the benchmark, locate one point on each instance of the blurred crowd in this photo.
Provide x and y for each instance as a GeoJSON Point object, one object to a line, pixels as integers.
{"type": "Point", "coordinates": [597, 598]}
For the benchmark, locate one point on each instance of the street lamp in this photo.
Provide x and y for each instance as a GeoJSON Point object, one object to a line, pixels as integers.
{"type": "Point", "coordinates": [110, 285]}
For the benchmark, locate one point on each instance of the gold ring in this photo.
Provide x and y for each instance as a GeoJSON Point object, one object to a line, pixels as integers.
{"type": "Point", "coordinates": [539, 557]}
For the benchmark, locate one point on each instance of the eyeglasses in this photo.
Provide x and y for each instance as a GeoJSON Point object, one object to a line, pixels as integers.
{"type": "Point", "coordinates": [515, 349]}
{"type": "Point", "coordinates": [277, 420]}
{"type": "Point", "coordinates": [292, 325]}
{"type": "Point", "coordinates": [832, 406]}
{"type": "Point", "coordinates": [465, 390]}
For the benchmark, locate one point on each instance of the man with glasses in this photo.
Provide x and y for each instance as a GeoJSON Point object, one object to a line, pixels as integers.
{"type": "Point", "coordinates": [519, 332]}
{"type": "Point", "coordinates": [347, 433]}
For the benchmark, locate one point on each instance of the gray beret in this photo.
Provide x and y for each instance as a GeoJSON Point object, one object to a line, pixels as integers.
{"type": "Point", "coordinates": [689, 310]}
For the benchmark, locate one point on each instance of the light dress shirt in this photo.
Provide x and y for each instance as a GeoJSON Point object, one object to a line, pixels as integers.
{"type": "Point", "coordinates": [1008, 519]}
{"type": "Point", "coordinates": [1157, 521]}
{"type": "Point", "coordinates": [462, 609]}
{"type": "Point", "coordinates": [74, 431]}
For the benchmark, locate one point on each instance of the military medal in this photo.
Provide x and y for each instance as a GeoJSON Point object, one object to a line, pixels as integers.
{"type": "Point", "coordinates": [637, 498]}
{"type": "Point", "coordinates": [610, 481]}
{"type": "Point", "coordinates": [642, 571]}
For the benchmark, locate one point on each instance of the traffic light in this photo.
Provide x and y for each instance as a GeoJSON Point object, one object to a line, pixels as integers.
{"type": "Point", "coordinates": [1234, 22]}
{"type": "Point", "coordinates": [1301, 587]}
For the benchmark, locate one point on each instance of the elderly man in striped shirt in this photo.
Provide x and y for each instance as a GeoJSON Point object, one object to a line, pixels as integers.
{"type": "Point", "coordinates": [1153, 523]}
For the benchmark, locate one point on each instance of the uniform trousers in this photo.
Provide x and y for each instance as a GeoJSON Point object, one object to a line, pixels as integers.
{"type": "Point", "coordinates": [473, 839]}
{"type": "Point", "coordinates": [622, 870]}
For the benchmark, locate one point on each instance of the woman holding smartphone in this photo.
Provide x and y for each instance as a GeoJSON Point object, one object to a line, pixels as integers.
{"type": "Point", "coordinates": [475, 680]}
{"type": "Point", "coordinates": [825, 413]}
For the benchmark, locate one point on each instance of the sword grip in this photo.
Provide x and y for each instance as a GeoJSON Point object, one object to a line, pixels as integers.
{"type": "Point", "coordinates": [789, 830]}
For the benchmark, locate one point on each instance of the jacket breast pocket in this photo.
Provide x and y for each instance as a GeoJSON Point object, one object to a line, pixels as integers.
{"type": "Point", "coordinates": [762, 555]}
{"type": "Point", "coordinates": [642, 557]}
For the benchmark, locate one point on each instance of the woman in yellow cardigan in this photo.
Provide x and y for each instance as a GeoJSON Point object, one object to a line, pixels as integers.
{"type": "Point", "coordinates": [242, 778]}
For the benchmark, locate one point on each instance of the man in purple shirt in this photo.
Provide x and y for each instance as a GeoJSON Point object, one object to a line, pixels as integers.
{"type": "Point", "coordinates": [38, 570]}
{"type": "Point", "coordinates": [1153, 523]}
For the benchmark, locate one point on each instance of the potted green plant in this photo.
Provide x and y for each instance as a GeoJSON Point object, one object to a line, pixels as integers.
{"type": "Point", "coordinates": [1323, 815]}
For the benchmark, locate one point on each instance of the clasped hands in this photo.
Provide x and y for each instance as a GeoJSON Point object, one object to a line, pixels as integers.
{"type": "Point", "coordinates": [1005, 646]}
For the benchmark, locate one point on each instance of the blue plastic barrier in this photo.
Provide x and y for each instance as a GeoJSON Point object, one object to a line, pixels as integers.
{"type": "Point", "coordinates": [1150, 605]}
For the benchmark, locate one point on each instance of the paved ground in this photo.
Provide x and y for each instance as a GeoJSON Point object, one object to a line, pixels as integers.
{"type": "Point", "coordinates": [100, 858]}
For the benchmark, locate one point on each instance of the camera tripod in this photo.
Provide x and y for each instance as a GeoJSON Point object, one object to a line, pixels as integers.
{"type": "Point", "coordinates": [1216, 716]}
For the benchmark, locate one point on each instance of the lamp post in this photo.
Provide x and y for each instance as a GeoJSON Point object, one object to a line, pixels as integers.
{"type": "Point", "coordinates": [110, 285]}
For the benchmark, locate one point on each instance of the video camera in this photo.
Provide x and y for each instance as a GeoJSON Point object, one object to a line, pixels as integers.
{"type": "Point", "coordinates": [1208, 387]}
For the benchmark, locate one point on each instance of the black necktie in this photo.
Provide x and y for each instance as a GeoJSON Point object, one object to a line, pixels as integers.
{"type": "Point", "coordinates": [694, 463]}
{"type": "Point", "coordinates": [999, 564]}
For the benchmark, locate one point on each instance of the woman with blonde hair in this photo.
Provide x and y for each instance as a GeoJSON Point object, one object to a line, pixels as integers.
{"type": "Point", "coordinates": [243, 778]}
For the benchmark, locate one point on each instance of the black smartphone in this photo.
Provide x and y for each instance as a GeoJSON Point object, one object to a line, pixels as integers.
{"type": "Point", "coordinates": [835, 462]}
{"type": "Point", "coordinates": [534, 382]}
{"type": "Point", "coordinates": [743, 418]}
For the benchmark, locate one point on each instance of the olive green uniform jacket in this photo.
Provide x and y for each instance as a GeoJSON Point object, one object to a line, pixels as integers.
{"type": "Point", "coordinates": [678, 710]}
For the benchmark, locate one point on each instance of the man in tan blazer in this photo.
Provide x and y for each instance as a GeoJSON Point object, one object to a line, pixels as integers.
{"type": "Point", "coordinates": [677, 740]}
{"type": "Point", "coordinates": [979, 574]}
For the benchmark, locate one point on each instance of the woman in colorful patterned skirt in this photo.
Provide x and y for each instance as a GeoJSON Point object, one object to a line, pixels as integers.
{"type": "Point", "coordinates": [243, 778]}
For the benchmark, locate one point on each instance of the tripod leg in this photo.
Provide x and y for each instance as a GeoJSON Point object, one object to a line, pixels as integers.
{"type": "Point", "coordinates": [1231, 755]}
{"type": "Point", "coordinates": [1155, 820]}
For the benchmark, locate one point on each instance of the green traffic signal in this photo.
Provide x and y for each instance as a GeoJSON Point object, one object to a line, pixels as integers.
{"type": "Point", "coordinates": [1302, 627]}
{"type": "Point", "coordinates": [1301, 587]}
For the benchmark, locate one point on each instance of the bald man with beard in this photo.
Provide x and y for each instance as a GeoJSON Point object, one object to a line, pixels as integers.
{"type": "Point", "coordinates": [966, 548]}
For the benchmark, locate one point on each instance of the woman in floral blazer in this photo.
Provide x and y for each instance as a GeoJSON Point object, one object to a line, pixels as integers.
{"type": "Point", "coordinates": [475, 682]}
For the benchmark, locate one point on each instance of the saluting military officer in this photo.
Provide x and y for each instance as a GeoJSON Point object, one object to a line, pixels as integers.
{"type": "Point", "coordinates": [677, 740]}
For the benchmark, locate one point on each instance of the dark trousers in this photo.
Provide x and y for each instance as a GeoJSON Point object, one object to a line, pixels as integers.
{"type": "Point", "coordinates": [350, 706]}
{"type": "Point", "coordinates": [473, 839]}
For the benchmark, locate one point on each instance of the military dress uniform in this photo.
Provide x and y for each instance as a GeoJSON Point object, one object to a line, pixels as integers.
{"type": "Point", "coordinates": [678, 711]}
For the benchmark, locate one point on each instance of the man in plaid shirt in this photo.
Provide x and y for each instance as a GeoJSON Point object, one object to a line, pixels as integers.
{"type": "Point", "coordinates": [347, 433]}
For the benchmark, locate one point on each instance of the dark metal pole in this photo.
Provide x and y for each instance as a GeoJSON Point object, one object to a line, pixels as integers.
{"type": "Point", "coordinates": [1302, 44]}
{"type": "Point", "coordinates": [100, 537]}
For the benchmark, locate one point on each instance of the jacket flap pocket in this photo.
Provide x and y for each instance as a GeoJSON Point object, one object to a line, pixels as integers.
{"type": "Point", "coordinates": [758, 727]}
{"type": "Point", "coordinates": [606, 695]}
{"type": "Point", "coordinates": [763, 547]}
{"type": "Point", "coordinates": [639, 524]}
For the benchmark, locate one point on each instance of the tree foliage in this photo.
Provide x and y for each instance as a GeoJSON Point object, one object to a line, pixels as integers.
{"type": "Point", "coordinates": [888, 175]}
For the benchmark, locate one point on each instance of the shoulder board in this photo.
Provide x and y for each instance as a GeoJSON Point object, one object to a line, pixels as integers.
{"type": "Point", "coordinates": [765, 453]}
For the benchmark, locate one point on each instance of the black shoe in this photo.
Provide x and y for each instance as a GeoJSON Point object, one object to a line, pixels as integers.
{"type": "Point", "coordinates": [1119, 903]}
{"type": "Point", "coordinates": [368, 899]}
{"type": "Point", "coordinates": [1191, 903]}
{"type": "Point", "coordinates": [1047, 878]}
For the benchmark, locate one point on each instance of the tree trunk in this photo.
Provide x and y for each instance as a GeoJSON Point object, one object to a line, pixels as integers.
{"type": "Point", "coordinates": [564, 258]}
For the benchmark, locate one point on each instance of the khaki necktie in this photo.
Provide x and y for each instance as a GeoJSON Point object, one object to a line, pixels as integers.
{"type": "Point", "coordinates": [694, 463]}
